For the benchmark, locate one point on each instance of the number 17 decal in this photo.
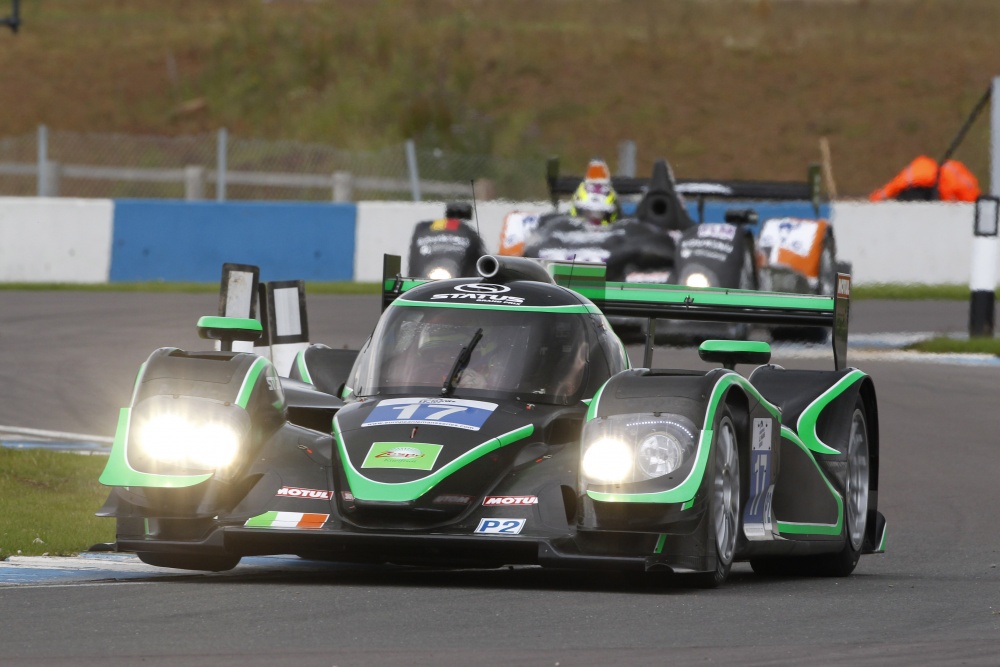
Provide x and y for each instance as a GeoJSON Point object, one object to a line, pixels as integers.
{"type": "Point", "coordinates": [500, 526]}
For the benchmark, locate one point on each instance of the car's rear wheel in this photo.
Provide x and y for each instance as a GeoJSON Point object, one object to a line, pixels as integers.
{"type": "Point", "coordinates": [856, 492]}
{"type": "Point", "coordinates": [189, 561]}
{"type": "Point", "coordinates": [724, 503]}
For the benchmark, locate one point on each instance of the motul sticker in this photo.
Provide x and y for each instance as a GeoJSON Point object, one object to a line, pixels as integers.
{"type": "Point", "coordinates": [405, 455]}
{"type": "Point", "coordinates": [452, 499]}
{"type": "Point", "coordinates": [295, 492]}
{"type": "Point", "coordinates": [288, 520]}
{"type": "Point", "coordinates": [510, 500]}
{"type": "Point", "coordinates": [500, 526]}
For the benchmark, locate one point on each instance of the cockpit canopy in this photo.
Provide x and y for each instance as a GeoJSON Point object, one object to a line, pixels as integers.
{"type": "Point", "coordinates": [538, 357]}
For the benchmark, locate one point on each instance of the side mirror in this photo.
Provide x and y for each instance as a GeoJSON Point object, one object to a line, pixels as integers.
{"type": "Point", "coordinates": [732, 352]}
{"type": "Point", "coordinates": [228, 329]}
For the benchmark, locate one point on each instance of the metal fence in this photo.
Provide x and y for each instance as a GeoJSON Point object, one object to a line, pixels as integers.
{"type": "Point", "coordinates": [222, 167]}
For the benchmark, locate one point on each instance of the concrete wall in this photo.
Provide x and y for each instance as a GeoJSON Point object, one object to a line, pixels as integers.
{"type": "Point", "coordinates": [55, 240]}
{"type": "Point", "coordinates": [77, 240]}
{"type": "Point", "coordinates": [905, 242]}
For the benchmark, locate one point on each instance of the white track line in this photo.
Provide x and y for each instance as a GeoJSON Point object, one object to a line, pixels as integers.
{"type": "Point", "coordinates": [54, 435]}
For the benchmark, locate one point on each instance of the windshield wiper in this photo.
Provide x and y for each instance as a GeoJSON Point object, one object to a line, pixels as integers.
{"type": "Point", "coordinates": [460, 363]}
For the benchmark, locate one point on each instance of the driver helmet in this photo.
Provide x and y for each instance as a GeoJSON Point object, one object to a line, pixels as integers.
{"type": "Point", "coordinates": [595, 200]}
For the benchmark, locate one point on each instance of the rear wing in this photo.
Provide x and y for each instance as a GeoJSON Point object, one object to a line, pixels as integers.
{"type": "Point", "coordinates": [700, 189]}
{"type": "Point", "coordinates": [711, 304]}
{"type": "Point", "coordinates": [676, 302]}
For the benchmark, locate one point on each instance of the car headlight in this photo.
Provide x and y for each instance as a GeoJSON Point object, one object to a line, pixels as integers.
{"type": "Point", "coordinates": [608, 460]}
{"type": "Point", "coordinates": [636, 447]}
{"type": "Point", "coordinates": [697, 279]}
{"type": "Point", "coordinates": [439, 273]}
{"type": "Point", "coordinates": [174, 435]}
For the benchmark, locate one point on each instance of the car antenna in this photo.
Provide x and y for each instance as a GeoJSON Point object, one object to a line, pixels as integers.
{"type": "Point", "coordinates": [472, 182]}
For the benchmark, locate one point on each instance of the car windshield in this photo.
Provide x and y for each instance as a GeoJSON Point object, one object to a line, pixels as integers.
{"type": "Point", "coordinates": [536, 356]}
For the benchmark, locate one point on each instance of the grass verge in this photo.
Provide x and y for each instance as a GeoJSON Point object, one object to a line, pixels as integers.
{"type": "Point", "coordinates": [48, 500]}
{"type": "Point", "coordinates": [944, 345]}
{"type": "Point", "coordinates": [911, 292]}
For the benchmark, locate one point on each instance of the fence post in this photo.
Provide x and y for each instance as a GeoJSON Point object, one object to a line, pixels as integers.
{"type": "Point", "coordinates": [343, 186]}
{"type": "Point", "coordinates": [43, 157]}
{"type": "Point", "coordinates": [195, 180]}
{"type": "Point", "coordinates": [411, 165]}
{"type": "Point", "coordinates": [485, 189]}
{"type": "Point", "coordinates": [50, 175]}
{"type": "Point", "coordinates": [626, 158]}
{"type": "Point", "coordinates": [220, 164]}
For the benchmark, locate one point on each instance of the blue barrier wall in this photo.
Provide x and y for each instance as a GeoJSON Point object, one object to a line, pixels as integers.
{"type": "Point", "coordinates": [189, 241]}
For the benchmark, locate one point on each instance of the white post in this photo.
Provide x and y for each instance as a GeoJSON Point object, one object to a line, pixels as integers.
{"type": "Point", "coordinates": [343, 186]}
{"type": "Point", "coordinates": [195, 177]}
{"type": "Point", "coordinates": [985, 243]}
{"type": "Point", "coordinates": [220, 160]}
{"type": "Point", "coordinates": [43, 158]}
{"type": "Point", "coordinates": [411, 164]}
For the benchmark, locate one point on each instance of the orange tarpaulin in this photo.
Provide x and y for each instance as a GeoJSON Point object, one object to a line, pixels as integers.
{"type": "Point", "coordinates": [954, 182]}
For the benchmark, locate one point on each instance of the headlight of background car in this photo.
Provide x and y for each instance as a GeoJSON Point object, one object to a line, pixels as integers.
{"type": "Point", "coordinates": [169, 435]}
{"type": "Point", "coordinates": [635, 447]}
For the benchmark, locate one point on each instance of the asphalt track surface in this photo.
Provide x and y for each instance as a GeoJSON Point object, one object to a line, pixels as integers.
{"type": "Point", "coordinates": [67, 362]}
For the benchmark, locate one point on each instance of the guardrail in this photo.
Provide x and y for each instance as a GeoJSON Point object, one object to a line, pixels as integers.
{"type": "Point", "coordinates": [196, 180]}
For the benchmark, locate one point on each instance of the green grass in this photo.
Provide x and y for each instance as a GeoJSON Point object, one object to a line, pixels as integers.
{"type": "Point", "coordinates": [907, 292]}
{"type": "Point", "coordinates": [943, 344]}
{"type": "Point", "coordinates": [47, 503]}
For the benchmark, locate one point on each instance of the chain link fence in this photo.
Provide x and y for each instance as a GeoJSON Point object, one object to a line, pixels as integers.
{"type": "Point", "coordinates": [222, 167]}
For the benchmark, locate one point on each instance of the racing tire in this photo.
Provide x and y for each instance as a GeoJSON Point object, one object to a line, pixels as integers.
{"type": "Point", "coordinates": [856, 493]}
{"type": "Point", "coordinates": [856, 490]}
{"type": "Point", "coordinates": [725, 511]}
{"type": "Point", "coordinates": [189, 562]}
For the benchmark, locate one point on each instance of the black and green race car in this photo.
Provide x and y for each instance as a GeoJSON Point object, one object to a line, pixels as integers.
{"type": "Point", "coordinates": [496, 420]}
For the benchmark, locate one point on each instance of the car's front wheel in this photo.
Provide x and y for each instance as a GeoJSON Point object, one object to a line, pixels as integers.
{"type": "Point", "coordinates": [724, 502]}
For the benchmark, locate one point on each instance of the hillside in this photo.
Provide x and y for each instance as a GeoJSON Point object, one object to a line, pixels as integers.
{"type": "Point", "coordinates": [724, 88]}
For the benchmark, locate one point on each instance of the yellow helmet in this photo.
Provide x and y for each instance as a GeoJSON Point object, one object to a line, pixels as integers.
{"type": "Point", "coordinates": [595, 200]}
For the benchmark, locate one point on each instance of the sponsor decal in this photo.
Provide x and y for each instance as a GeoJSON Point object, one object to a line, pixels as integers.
{"type": "Point", "coordinates": [452, 499]}
{"type": "Point", "coordinates": [843, 287]}
{"type": "Point", "coordinates": [790, 234]}
{"type": "Point", "coordinates": [517, 228]}
{"type": "Point", "coordinates": [453, 412]}
{"type": "Point", "coordinates": [510, 500]}
{"type": "Point", "coordinates": [443, 239]}
{"type": "Point", "coordinates": [403, 455]}
{"type": "Point", "coordinates": [582, 238]}
{"type": "Point", "coordinates": [295, 492]}
{"type": "Point", "coordinates": [757, 522]}
{"type": "Point", "coordinates": [482, 293]}
{"type": "Point", "coordinates": [500, 526]}
{"type": "Point", "coordinates": [713, 230]}
{"type": "Point", "coordinates": [288, 520]}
